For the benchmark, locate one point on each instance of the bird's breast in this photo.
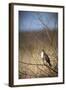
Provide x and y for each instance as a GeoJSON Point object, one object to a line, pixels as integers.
{"type": "Point", "coordinates": [42, 55]}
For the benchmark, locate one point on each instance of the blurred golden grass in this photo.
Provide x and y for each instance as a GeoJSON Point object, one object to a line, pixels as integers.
{"type": "Point", "coordinates": [30, 46]}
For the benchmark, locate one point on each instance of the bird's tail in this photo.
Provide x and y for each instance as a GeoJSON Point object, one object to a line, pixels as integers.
{"type": "Point", "coordinates": [50, 64]}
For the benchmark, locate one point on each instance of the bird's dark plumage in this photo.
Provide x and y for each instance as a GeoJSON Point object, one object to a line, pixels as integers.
{"type": "Point", "coordinates": [47, 59]}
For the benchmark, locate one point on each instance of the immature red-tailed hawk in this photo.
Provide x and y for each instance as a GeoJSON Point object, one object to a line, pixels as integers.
{"type": "Point", "coordinates": [45, 57]}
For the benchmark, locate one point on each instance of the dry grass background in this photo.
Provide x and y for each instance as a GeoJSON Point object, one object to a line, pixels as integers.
{"type": "Point", "coordinates": [30, 46]}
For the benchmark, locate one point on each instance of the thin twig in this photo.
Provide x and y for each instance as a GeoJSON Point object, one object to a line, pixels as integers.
{"type": "Point", "coordinates": [39, 65]}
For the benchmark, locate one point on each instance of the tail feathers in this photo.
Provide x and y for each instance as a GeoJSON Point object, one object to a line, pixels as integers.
{"type": "Point", "coordinates": [50, 64]}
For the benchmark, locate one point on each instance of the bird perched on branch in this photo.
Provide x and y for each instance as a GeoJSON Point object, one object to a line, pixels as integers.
{"type": "Point", "coordinates": [45, 57]}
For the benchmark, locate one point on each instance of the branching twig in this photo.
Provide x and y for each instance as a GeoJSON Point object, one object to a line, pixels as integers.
{"type": "Point", "coordinates": [39, 65]}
